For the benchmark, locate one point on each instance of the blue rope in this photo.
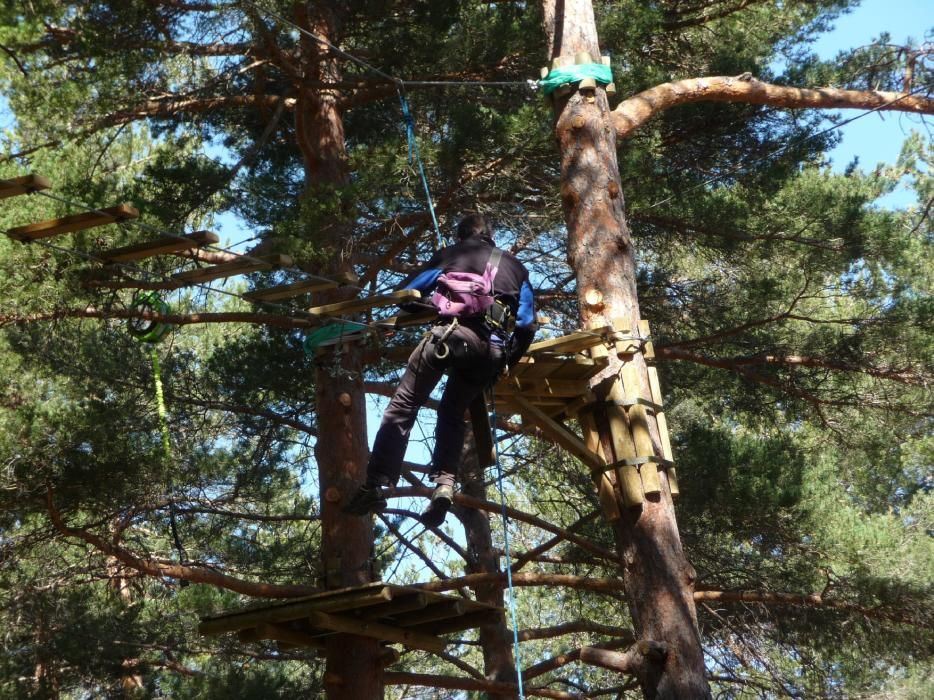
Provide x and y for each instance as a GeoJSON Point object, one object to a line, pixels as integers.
{"type": "Point", "coordinates": [512, 592]}
{"type": "Point", "coordinates": [413, 148]}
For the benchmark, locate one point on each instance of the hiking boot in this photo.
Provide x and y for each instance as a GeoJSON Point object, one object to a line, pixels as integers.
{"type": "Point", "coordinates": [368, 499]}
{"type": "Point", "coordinates": [438, 508]}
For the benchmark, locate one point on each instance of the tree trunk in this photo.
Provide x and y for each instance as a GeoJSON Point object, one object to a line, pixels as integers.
{"type": "Point", "coordinates": [658, 578]}
{"type": "Point", "coordinates": [498, 662]}
{"type": "Point", "coordinates": [353, 670]}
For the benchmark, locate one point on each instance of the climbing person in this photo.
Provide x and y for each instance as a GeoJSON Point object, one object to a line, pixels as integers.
{"type": "Point", "coordinates": [486, 322]}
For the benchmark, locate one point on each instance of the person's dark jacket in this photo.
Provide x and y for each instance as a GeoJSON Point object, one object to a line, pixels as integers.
{"type": "Point", "coordinates": [511, 285]}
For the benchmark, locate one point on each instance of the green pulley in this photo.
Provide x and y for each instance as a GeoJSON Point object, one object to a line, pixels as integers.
{"type": "Point", "coordinates": [147, 330]}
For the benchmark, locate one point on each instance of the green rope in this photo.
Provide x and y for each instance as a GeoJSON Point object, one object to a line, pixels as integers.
{"type": "Point", "coordinates": [574, 74]}
{"type": "Point", "coordinates": [160, 404]}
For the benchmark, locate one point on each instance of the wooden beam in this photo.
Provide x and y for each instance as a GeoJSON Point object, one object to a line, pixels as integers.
{"type": "Point", "coordinates": [27, 184]}
{"type": "Point", "coordinates": [443, 610]}
{"type": "Point", "coordinates": [569, 388]}
{"type": "Point", "coordinates": [561, 435]}
{"type": "Point", "coordinates": [406, 319]}
{"type": "Point", "coordinates": [289, 291]}
{"type": "Point", "coordinates": [573, 342]}
{"type": "Point", "coordinates": [73, 222]}
{"type": "Point", "coordinates": [397, 606]}
{"type": "Point", "coordinates": [489, 616]}
{"type": "Point", "coordinates": [231, 269]}
{"type": "Point", "coordinates": [363, 303]}
{"type": "Point", "coordinates": [160, 246]}
{"type": "Point", "coordinates": [280, 633]}
{"type": "Point", "coordinates": [378, 630]}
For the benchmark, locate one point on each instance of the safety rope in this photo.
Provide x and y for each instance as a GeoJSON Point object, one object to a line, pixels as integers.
{"type": "Point", "coordinates": [413, 148]}
{"type": "Point", "coordinates": [166, 450]}
{"type": "Point", "coordinates": [512, 590]}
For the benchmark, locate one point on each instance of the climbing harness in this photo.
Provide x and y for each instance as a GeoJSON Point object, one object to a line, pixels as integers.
{"type": "Point", "coordinates": [442, 349]}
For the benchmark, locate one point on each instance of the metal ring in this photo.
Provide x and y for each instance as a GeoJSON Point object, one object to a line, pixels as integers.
{"type": "Point", "coordinates": [441, 350]}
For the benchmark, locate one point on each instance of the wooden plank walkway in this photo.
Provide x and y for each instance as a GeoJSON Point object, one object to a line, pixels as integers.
{"type": "Point", "coordinates": [396, 614]}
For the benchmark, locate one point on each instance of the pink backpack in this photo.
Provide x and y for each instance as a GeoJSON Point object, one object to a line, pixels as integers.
{"type": "Point", "coordinates": [460, 294]}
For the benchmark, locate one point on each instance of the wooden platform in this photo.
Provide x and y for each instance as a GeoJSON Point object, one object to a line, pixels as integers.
{"type": "Point", "coordinates": [394, 614]}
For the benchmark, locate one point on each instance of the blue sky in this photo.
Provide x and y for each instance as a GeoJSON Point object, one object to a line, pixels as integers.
{"type": "Point", "coordinates": [877, 137]}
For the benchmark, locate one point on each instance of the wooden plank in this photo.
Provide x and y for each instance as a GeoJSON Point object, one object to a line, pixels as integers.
{"type": "Point", "coordinates": [363, 303]}
{"type": "Point", "coordinates": [329, 601]}
{"type": "Point", "coordinates": [72, 222]}
{"type": "Point", "coordinates": [443, 610]}
{"type": "Point", "coordinates": [648, 349]}
{"type": "Point", "coordinates": [570, 388]}
{"type": "Point", "coordinates": [231, 269]}
{"type": "Point", "coordinates": [26, 184]}
{"type": "Point", "coordinates": [163, 245]}
{"type": "Point", "coordinates": [377, 630]}
{"type": "Point", "coordinates": [573, 342]}
{"type": "Point", "coordinates": [406, 319]}
{"type": "Point", "coordinates": [561, 435]}
{"type": "Point", "coordinates": [489, 616]}
{"type": "Point", "coordinates": [606, 493]}
{"type": "Point", "coordinates": [280, 633]}
{"type": "Point", "coordinates": [400, 604]}
{"type": "Point", "coordinates": [289, 291]}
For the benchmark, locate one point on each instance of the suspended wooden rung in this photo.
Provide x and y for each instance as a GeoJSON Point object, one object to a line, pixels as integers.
{"type": "Point", "coordinates": [406, 319]}
{"type": "Point", "coordinates": [242, 266]}
{"type": "Point", "coordinates": [27, 184]}
{"type": "Point", "coordinates": [73, 222]}
{"type": "Point", "coordinates": [289, 291]}
{"type": "Point", "coordinates": [363, 303]}
{"type": "Point", "coordinates": [163, 245]}
{"type": "Point", "coordinates": [395, 614]}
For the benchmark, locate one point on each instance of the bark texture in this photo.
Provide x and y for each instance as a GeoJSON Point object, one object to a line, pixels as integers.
{"type": "Point", "coordinates": [353, 669]}
{"type": "Point", "coordinates": [657, 576]}
{"type": "Point", "coordinates": [498, 662]}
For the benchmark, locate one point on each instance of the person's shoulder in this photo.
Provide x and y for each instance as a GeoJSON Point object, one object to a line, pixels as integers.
{"type": "Point", "coordinates": [507, 255]}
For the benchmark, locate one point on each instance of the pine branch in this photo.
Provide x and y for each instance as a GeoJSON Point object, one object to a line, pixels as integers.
{"type": "Point", "coordinates": [635, 111]}
{"type": "Point", "coordinates": [158, 569]}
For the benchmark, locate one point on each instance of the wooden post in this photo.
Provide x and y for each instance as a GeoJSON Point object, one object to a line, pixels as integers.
{"type": "Point", "coordinates": [603, 479]}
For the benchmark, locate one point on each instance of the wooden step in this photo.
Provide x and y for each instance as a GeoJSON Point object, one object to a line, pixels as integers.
{"type": "Point", "coordinates": [573, 342]}
{"type": "Point", "coordinates": [231, 269]}
{"type": "Point", "coordinates": [363, 303]}
{"type": "Point", "coordinates": [27, 184]}
{"type": "Point", "coordinates": [73, 222]}
{"type": "Point", "coordinates": [160, 246]}
{"type": "Point", "coordinates": [289, 291]}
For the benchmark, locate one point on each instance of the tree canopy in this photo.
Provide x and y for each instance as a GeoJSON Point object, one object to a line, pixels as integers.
{"type": "Point", "coordinates": [791, 315]}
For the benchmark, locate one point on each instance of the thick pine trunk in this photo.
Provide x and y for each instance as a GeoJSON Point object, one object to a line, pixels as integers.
{"type": "Point", "coordinates": [658, 578]}
{"type": "Point", "coordinates": [353, 670]}
{"type": "Point", "coordinates": [498, 662]}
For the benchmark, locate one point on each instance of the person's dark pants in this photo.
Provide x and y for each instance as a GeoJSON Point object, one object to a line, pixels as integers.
{"type": "Point", "coordinates": [472, 363]}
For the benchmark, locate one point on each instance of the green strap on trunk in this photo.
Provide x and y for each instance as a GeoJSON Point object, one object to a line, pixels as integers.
{"type": "Point", "coordinates": [574, 74]}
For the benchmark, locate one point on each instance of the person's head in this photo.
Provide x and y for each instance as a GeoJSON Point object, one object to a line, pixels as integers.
{"type": "Point", "coordinates": [474, 225]}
